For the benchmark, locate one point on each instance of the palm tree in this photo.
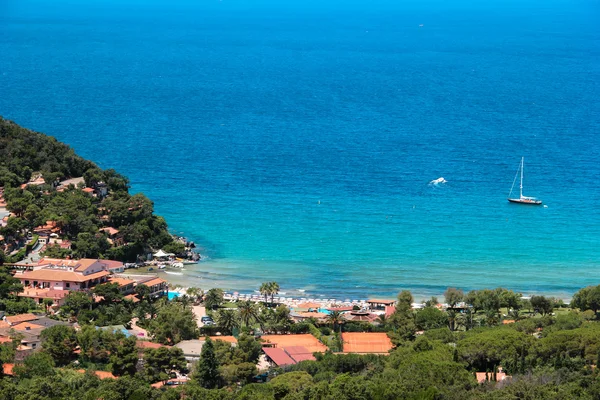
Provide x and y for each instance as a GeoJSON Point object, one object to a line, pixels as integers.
{"type": "Point", "coordinates": [47, 304]}
{"type": "Point", "coordinates": [382, 320]}
{"type": "Point", "coordinates": [265, 289]}
{"type": "Point", "coordinates": [274, 289]}
{"type": "Point", "coordinates": [213, 298]}
{"type": "Point", "coordinates": [335, 318]}
{"type": "Point", "coordinates": [248, 313]}
{"type": "Point", "coordinates": [451, 318]}
{"type": "Point", "coordinates": [227, 319]}
{"type": "Point", "coordinates": [195, 293]}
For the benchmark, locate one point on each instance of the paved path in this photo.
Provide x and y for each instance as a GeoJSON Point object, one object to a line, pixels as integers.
{"type": "Point", "coordinates": [199, 312]}
{"type": "Point", "coordinates": [138, 331]}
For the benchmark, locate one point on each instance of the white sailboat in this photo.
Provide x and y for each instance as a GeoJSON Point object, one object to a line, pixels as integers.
{"type": "Point", "coordinates": [522, 199]}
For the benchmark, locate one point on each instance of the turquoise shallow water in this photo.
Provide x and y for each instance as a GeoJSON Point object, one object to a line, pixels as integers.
{"type": "Point", "coordinates": [295, 141]}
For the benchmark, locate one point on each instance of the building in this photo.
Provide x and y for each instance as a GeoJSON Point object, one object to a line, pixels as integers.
{"type": "Point", "coordinates": [380, 304]}
{"type": "Point", "coordinates": [30, 327]}
{"type": "Point", "coordinates": [283, 350]}
{"type": "Point", "coordinates": [158, 287]}
{"type": "Point", "coordinates": [483, 377]}
{"type": "Point", "coordinates": [126, 286]}
{"type": "Point", "coordinates": [54, 278]}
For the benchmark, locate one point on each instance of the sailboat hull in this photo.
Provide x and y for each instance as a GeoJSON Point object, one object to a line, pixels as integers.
{"type": "Point", "coordinates": [526, 201]}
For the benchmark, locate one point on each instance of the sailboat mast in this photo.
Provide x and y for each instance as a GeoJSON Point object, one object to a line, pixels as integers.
{"type": "Point", "coordinates": [522, 162]}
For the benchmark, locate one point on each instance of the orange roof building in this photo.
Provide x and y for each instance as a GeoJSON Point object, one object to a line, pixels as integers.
{"type": "Point", "coordinates": [26, 326]}
{"type": "Point", "coordinates": [126, 286]}
{"type": "Point", "coordinates": [16, 319]}
{"type": "Point", "coordinates": [158, 287]}
{"type": "Point", "coordinates": [8, 369]}
{"type": "Point", "coordinates": [366, 342]}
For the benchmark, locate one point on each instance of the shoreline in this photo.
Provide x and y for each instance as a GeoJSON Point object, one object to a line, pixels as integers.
{"type": "Point", "coordinates": [179, 283]}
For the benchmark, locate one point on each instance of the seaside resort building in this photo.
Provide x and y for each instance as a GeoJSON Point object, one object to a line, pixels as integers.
{"type": "Point", "coordinates": [55, 278]}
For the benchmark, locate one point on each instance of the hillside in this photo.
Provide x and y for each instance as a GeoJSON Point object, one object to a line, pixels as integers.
{"type": "Point", "coordinates": [50, 190]}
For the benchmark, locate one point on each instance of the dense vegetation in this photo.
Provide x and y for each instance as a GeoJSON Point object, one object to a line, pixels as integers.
{"type": "Point", "coordinates": [550, 351]}
{"type": "Point", "coordinates": [79, 215]}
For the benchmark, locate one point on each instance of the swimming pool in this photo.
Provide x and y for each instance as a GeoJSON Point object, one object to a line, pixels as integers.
{"type": "Point", "coordinates": [172, 295]}
{"type": "Point", "coordinates": [324, 311]}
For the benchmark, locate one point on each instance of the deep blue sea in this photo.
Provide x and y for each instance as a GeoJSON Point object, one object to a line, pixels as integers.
{"type": "Point", "coordinates": [294, 140]}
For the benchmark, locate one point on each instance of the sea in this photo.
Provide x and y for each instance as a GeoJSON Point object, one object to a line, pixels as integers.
{"type": "Point", "coordinates": [295, 141]}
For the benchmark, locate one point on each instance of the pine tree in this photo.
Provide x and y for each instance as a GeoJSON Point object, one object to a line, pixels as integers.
{"type": "Point", "coordinates": [207, 370]}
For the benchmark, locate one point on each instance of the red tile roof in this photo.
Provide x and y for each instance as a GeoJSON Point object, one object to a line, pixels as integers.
{"type": "Point", "coordinates": [57, 275]}
{"type": "Point", "coordinates": [153, 282]}
{"type": "Point", "coordinates": [121, 281]}
{"type": "Point", "coordinates": [15, 319]}
{"type": "Point", "coordinates": [110, 230]}
{"type": "Point", "coordinates": [278, 356]}
{"type": "Point", "coordinates": [8, 369]}
{"type": "Point", "coordinates": [26, 326]}
{"type": "Point", "coordinates": [132, 297]}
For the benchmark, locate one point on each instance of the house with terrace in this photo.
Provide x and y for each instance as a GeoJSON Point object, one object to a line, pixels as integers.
{"type": "Point", "coordinates": [54, 278]}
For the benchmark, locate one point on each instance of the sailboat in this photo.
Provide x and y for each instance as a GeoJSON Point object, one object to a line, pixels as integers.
{"type": "Point", "coordinates": [522, 199]}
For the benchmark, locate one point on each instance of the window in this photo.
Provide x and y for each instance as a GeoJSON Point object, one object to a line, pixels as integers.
{"type": "Point", "coordinates": [68, 285]}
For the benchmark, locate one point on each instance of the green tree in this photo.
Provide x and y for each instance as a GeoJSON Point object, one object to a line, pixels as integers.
{"type": "Point", "coordinates": [336, 319]}
{"type": "Point", "coordinates": [109, 291]}
{"type": "Point", "coordinates": [143, 292]}
{"type": "Point", "coordinates": [273, 290]}
{"type": "Point", "coordinates": [95, 344]}
{"type": "Point", "coordinates": [265, 289]}
{"type": "Point", "coordinates": [291, 383]}
{"type": "Point", "coordinates": [174, 322]}
{"type": "Point", "coordinates": [402, 320]}
{"type": "Point", "coordinates": [250, 348]}
{"type": "Point", "coordinates": [227, 319]}
{"type": "Point", "coordinates": [431, 318]}
{"type": "Point", "coordinates": [75, 302]}
{"type": "Point", "coordinates": [88, 245]}
{"type": "Point", "coordinates": [213, 298]}
{"type": "Point", "coordinates": [195, 293]}
{"type": "Point", "coordinates": [542, 305]}
{"type": "Point", "coordinates": [248, 313]}
{"type": "Point", "coordinates": [207, 372]}
{"type": "Point", "coordinates": [10, 286]}
{"type": "Point", "coordinates": [453, 296]}
{"type": "Point", "coordinates": [160, 363]}
{"type": "Point", "coordinates": [239, 373]}
{"type": "Point", "coordinates": [39, 364]}
{"type": "Point", "coordinates": [59, 342]}
{"type": "Point", "coordinates": [587, 298]}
